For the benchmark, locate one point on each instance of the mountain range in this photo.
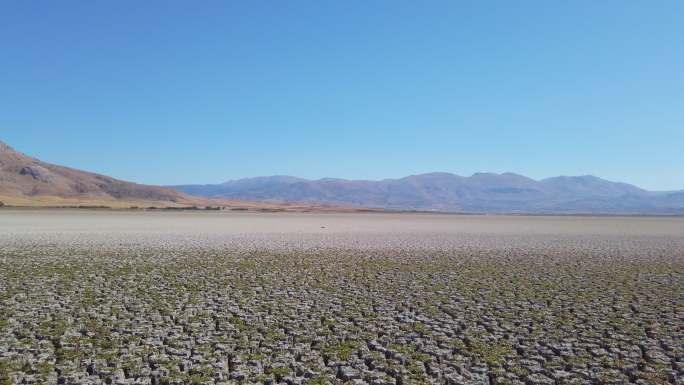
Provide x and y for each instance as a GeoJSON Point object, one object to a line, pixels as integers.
{"type": "Point", "coordinates": [27, 181]}
{"type": "Point", "coordinates": [479, 193]}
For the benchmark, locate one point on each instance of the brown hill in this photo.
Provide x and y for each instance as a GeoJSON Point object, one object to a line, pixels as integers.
{"type": "Point", "coordinates": [28, 181]}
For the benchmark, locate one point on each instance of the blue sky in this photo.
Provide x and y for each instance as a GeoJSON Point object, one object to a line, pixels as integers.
{"type": "Point", "coordinates": [169, 92]}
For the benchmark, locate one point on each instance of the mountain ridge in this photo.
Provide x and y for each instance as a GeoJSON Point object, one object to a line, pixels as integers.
{"type": "Point", "coordinates": [481, 192]}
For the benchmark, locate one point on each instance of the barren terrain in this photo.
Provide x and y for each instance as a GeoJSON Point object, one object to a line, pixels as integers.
{"type": "Point", "coordinates": [100, 297]}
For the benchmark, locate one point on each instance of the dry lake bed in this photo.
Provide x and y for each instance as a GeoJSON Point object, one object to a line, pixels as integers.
{"type": "Point", "coordinates": [106, 297]}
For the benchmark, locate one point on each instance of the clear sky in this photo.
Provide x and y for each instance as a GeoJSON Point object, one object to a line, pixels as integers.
{"type": "Point", "coordinates": [170, 92]}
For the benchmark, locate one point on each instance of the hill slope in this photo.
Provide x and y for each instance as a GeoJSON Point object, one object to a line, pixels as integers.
{"type": "Point", "coordinates": [25, 180]}
{"type": "Point", "coordinates": [481, 192]}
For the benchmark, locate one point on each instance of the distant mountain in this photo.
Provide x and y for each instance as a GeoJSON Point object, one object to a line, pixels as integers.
{"type": "Point", "coordinates": [481, 192]}
{"type": "Point", "coordinates": [26, 180]}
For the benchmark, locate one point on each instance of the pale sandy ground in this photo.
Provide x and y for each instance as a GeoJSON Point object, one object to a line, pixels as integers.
{"type": "Point", "coordinates": [337, 230]}
{"type": "Point", "coordinates": [95, 221]}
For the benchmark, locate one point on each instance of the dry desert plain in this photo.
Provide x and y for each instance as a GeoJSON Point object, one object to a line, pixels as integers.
{"type": "Point", "coordinates": [126, 297]}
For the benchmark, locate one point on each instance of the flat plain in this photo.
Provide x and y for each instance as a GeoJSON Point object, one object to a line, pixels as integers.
{"type": "Point", "coordinates": [131, 297]}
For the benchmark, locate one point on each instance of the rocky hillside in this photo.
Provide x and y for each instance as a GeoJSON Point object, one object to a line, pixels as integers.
{"type": "Point", "coordinates": [26, 179]}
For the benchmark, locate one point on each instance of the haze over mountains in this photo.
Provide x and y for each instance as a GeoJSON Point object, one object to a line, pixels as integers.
{"type": "Point", "coordinates": [481, 193]}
